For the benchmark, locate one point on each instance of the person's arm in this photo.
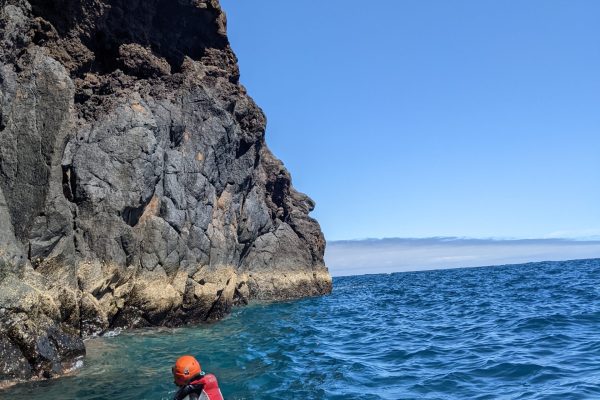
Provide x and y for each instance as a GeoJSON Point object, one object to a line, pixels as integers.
{"type": "Point", "coordinates": [182, 393]}
{"type": "Point", "coordinates": [187, 390]}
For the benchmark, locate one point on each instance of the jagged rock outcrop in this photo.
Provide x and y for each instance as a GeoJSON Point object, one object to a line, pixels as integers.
{"type": "Point", "coordinates": [136, 188]}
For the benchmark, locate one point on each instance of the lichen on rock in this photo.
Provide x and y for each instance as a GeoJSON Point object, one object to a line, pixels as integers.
{"type": "Point", "coordinates": [136, 188]}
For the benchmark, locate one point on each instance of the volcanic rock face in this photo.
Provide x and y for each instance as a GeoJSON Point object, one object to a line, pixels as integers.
{"type": "Point", "coordinates": [136, 188]}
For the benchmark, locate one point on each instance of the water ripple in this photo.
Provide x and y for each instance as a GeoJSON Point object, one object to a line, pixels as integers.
{"type": "Point", "coordinates": [514, 332]}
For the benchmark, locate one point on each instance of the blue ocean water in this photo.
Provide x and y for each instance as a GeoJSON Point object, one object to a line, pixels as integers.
{"type": "Point", "coordinates": [529, 331]}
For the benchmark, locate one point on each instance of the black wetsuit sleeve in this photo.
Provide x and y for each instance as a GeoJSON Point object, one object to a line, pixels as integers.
{"type": "Point", "coordinates": [187, 390]}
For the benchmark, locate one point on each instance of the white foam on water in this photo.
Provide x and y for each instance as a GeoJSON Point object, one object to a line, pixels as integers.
{"type": "Point", "coordinates": [113, 333]}
{"type": "Point", "coordinates": [78, 364]}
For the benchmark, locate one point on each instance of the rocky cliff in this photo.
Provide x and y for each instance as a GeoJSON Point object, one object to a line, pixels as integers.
{"type": "Point", "coordinates": [136, 188]}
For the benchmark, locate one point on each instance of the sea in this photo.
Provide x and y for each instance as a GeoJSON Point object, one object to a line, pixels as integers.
{"type": "Point", "coordinates": [528, 331]}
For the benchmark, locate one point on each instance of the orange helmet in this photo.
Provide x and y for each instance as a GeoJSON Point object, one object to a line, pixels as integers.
{"type": "Point", "coordinates": [185, 368]}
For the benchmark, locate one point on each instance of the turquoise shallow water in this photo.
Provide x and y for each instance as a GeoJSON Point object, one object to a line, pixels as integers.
{"type": "Point", "coordinates": [528, 331]}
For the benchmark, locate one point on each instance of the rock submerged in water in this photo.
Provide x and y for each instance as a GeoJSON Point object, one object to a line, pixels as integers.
{"type": "Point", "coordinates": [136, 188]}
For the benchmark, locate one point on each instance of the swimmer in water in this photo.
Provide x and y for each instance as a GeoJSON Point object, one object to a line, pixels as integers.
{"type": "Point", "coordinates": [194, 384]}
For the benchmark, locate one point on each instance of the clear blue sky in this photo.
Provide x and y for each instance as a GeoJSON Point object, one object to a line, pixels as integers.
{"type": "Point", "coordinates": [428, 118]}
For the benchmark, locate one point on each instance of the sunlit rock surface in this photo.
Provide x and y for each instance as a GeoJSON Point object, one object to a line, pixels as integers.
{"type": "Point", "coordinates": [136, 188]}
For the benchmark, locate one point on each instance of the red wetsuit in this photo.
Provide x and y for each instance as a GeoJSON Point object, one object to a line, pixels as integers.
{"type": "Point", "coordinates": [203, 387]}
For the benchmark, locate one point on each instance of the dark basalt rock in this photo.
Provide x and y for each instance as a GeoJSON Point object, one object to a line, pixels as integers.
{"type": "Point", "coordinates": [136, 188]}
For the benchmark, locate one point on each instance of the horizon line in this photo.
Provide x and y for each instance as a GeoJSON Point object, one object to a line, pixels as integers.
{"type": "Point", "coordinates": [588, 239]}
